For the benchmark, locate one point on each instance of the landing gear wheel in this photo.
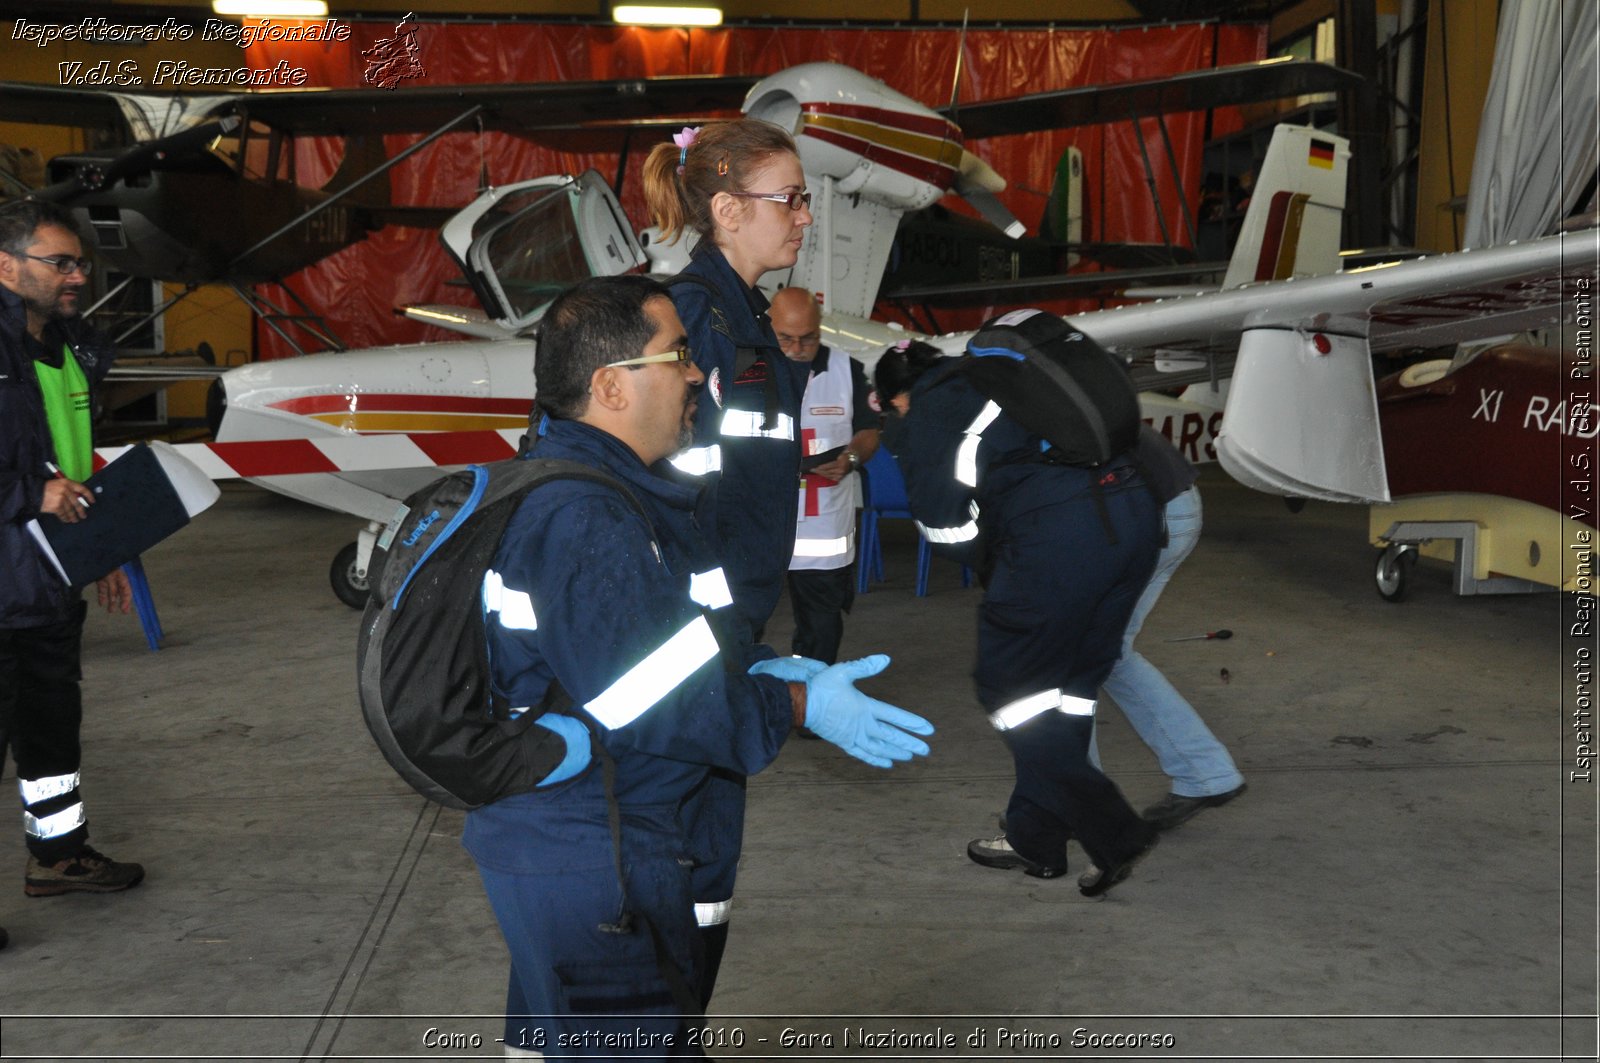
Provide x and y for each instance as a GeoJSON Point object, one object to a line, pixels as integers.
{"type": "Point", "coordinates": [351, 589]}
{"type": "Point", "coordinates": [1393, 572]}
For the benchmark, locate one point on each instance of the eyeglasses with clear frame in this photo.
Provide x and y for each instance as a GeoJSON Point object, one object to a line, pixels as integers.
{"type": "Point", "coordinates": [793, 200]}
{"type": "Point", "coordinates": [65, 265]}
{"type": "Point", "coordinates": [682, 354]}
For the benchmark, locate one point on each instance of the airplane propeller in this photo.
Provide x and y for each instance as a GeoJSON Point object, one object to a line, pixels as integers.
{"type": "Point", "coordinates": [99, 174]}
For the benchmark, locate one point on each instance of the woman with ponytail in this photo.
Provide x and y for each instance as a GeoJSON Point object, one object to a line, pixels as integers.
{"type": "Point", "coordinates": [738, 188]}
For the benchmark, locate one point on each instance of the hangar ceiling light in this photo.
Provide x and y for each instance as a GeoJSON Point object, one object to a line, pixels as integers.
{"type": "Point", "coordinates": [280, 8]}
{"type": "Point", "coordinates": [663, 15]}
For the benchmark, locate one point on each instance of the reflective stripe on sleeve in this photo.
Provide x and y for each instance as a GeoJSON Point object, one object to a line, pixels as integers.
{"type": "Point", "coordinates": [959, 534]}
{"type": "Point", "coordinates": [1019, 712]}
{"type": "Point", "coordinates": [37, 790]}
{"type": "Point", "coordinates": [967, 455]}
{"type": "Point", "coordinates": [514, 608]}
{"type": "Point", "coordinates": [710, 589]}
{"type": "Point", "coordinates": [712, 913]}
{"type": "Point", "coordinates": [63, 822]}
{"type": "Point", "coordinates": [698, 461]}
{"type": "Point", "coordinates": [822, 547]}
{"type": "Point", "coordinates": [746, 424]}
{"type": "Point", "coordinates": [658, 675]}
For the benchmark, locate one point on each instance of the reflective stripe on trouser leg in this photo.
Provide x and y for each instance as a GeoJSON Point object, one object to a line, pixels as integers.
{"type": "Point", "coordinates": [37, 791]}
{"type": "Point", "coordinates": [712, 913]}
{"type": "Point", "coordinates": [54, 826]}
{"type": "Point", "coordinates": [50, 805]}
{"type": "Point", "coordinates": [1016, 713]}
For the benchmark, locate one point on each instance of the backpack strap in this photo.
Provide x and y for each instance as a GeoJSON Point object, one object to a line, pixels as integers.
{"type": "Point", "coordinates": [743, 357]}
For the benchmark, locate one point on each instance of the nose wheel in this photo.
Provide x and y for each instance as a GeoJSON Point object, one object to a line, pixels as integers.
{"type": "Point", "coordinates": [1393, 571]}
{"type": "Point", "coordinates": [350, 583]}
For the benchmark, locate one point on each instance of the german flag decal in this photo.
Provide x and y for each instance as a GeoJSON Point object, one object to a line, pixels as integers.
{"type": "Point", "coordinates": [1321, 154]}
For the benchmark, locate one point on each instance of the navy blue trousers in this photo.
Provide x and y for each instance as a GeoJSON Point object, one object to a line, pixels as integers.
{"type": "Point", "coordinates": [1052, 618]}
{"type": "Point", "coordinates": [578, 989]}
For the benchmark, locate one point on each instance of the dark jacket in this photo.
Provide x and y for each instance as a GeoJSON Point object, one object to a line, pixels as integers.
{"type": "Point", "coordinates": [635, 621]}
{"type": "Point", "coordinates": [31, 593]}
{"type": "Point", "coordinates": [970, 470]}
{"type": "Point", "coordinates": [755, 499]}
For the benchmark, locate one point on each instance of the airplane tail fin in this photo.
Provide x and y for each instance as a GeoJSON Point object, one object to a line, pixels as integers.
{"type": "Point", "coordinates": [1291, 227]}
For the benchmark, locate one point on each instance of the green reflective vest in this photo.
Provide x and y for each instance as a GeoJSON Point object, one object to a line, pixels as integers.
{"type": "Point", "coordinates": [66, 409]}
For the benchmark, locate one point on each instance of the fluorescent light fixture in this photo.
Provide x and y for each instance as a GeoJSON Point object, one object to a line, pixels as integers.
{"type": "Point", "coordinates": [661, 15]}
{"type": "Point", "coordinates": [279, 8]}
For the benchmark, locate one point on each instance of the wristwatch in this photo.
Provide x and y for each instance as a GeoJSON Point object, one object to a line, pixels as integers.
{"type": "Point", "coordinates": [853, 458]}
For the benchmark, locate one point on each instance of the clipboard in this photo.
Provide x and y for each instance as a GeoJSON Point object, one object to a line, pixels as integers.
{"type": "Point", "coordinates": [142, 497]}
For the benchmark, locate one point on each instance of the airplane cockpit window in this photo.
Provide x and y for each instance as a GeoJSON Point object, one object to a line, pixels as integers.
{"type": "Point", "coordinates": [252, 151]}
{"type": "Point", "coordinates": [533, 247]}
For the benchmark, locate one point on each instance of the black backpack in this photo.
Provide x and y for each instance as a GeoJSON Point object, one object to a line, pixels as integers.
{"type": "Point", "coordinates": [422, 658]}
{"type": "Point", "coordinates": [1057, 383]}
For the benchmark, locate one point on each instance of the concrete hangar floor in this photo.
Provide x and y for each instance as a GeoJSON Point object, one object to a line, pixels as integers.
{"type": "Point", "coordinates": [1411, 873]}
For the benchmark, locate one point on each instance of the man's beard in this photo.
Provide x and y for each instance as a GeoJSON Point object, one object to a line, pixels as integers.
{"type": "Point", "coordinates": [56, 309]}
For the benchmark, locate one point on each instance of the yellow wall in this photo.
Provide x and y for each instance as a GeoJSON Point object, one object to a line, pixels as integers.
{"type": "Point", "coordinates": [1469, 26]}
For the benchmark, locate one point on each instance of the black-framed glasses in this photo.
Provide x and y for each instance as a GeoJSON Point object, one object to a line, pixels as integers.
{"type": "Point", "coordinates": [63, 264]}
{"type": "Point", "coordinates": [682, 354]}
{"type": "Point", "coordinates": [793, 200]}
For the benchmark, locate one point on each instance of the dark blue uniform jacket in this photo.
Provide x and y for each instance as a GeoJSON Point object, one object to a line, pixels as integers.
{"type": "Point", "coordinates": [757, 493]}
{"type": "Point", "coordinates": [970, 469]}
{"type": "Point", "coordinates": [31, 593]}
{"type": "Point", "coordinates": [645, 641]}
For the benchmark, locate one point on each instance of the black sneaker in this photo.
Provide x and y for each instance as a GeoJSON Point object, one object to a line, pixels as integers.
{"type": "Point", "coordinates": [997, 853]}
{"type": "Point", "coordinates": [86, 871]}
{"type": "Point", "coordinates": [1174, 809]}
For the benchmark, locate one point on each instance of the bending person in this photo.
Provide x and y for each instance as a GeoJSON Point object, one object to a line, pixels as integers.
{"type": "Point", "coordinates": [1203, 774]}
{"type": "Point", "coordinates": [1063, 552]}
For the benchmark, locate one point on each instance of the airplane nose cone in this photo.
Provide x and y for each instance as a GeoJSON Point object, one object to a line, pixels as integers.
{"type": "Point", "coordinates": [216, 406]}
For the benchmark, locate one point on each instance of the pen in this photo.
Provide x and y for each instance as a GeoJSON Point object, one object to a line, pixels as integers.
{"type": "Point", "coordinates": [55, 471]}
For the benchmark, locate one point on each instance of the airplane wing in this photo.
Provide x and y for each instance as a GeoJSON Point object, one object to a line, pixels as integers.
{"type": "Point", "coordinates": [1197, 90]}
{"type": "Point", "coordinates": [1302, 416]}
{"type": "Point", "coordinates": [516, 108]}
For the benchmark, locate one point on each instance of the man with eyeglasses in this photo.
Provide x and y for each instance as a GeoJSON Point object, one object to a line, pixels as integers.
{"type": "Point", "coordinates": [838, 434]}
{"type": "Point", "coordinates": [49, 361]}
{"type": "Point", "coordinates": [621, 603]}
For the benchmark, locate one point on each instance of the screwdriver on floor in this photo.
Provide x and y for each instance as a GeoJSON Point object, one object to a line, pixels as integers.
{"type": "Point", "coordinates": [1222, 634]}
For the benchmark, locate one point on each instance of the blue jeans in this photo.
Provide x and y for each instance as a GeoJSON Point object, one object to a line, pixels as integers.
{"type": "Point", "coordinates": [1188, 752]}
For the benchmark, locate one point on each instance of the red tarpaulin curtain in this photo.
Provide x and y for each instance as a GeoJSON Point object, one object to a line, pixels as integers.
{"type": "Point", "coordinates": [358, 289]}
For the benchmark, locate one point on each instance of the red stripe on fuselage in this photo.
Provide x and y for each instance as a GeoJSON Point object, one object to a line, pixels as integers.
{"type": "Point", "coordinates": [926, 125]}
{"type": "Point", "coordinates": [275, 457]}
{"type": "Point", "coordinates": [463, 448]}
{"type": "Point", "coordinates": [935, 174]}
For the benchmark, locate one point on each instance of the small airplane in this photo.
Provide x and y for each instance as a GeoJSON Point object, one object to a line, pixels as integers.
{"type": "Point", "coordinates": [235, 152]}
{"type": "Point", "coordinates": [870, 154]}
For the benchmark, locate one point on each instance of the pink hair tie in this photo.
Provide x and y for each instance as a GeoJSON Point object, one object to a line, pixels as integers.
{"type": "Point", "coordinates": [684, 140]}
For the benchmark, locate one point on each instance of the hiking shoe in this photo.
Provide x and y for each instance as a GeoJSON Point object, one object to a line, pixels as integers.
{"type": "Point", "coordinates": [997, 853]}
{"type": "Point", "coordinates": [87, 871]}
{"type": "Point", "coordinates": [1096, 881]}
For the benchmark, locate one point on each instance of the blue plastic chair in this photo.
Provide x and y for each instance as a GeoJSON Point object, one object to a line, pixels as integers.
{"type": "Point", "coordinates": [885, 497]}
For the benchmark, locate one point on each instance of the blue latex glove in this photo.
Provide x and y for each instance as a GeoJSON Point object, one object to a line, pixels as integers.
{"type": "Point", "coordinates": [576, 736]}
{"type": "Point", "coordinates": [866, 728]}
{"type": "Point", "coordinates": [788, 669]}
